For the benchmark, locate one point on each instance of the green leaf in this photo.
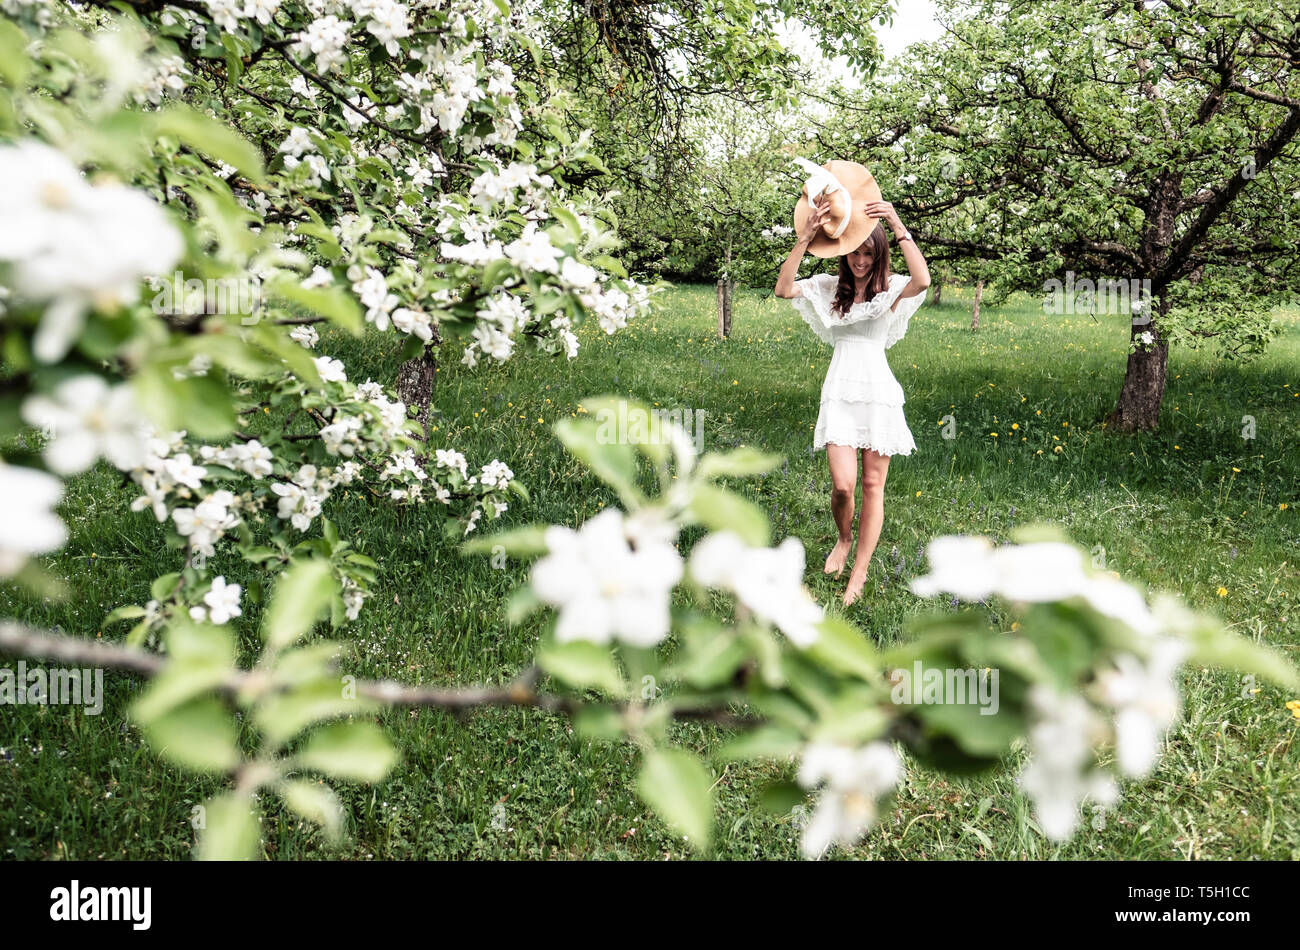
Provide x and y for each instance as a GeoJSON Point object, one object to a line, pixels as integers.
{"type": "Point", "coordinates": [528, 541]}
{"type": "Point", "coordinates": [599, 723]}
{"type": "Point", "coordinates": [301, 361]}
{"type": "Point", "coordinates": [841, 646]}
{"type": "Point", "coordinates": [356, 751]}
{"type": "Point", "coordinates": [14, 62]}
{"type": "Point", "coordinates": [178, 683]}
{"type": "Point", "coordinates": [230, 831]}
{"type": "Point", "coordinates": [125, 612]}
{"type": "Point", "coordinates": [568, 219]}
{"type": "Point", "coordinates": [984, 838]}
{"type": "Point", "coordinates": [333, 303]}
{"type": "Point", "coordinates": [612, 461]}
{"type": "Point", "coordinates": [721, 510]}
{"type": "Point", "coordinates": [1226, 650]}
{"type": "Point", "coordinates": [781, 798]}
{"type": "Point", "coordinates": [302, 596]}
{"type": "Point", "coordinates": [678, 786]}
{"type": "Point", "coordinates": [212, 138]}
{"type": "Point", "coordinates": [315, 802]}
{"type": "Point", "coordinates": [739, 462]}
{"type": "Point", "coordinates": [192, 642]}
{"type": "Point", "coordinates": [199, 404]}
{"type": "Point", "coordinates": [236, 355]}
{"type": "Point", "coordinates": [198, 735]}
{"type": "Point", "coordinates": [520, 604]}
{"type": "Point", "coordinates": [584, 665]}
{"type": "Point", "coordinates": [712, 659]}
{"type": "Point", "coordinates": [763, 742]}
{"type": "Point", "coordinates": [282, 716]}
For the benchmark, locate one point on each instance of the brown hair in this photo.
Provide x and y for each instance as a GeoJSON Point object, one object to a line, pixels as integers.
{"type": "Point", "coordinates": [877, 277]}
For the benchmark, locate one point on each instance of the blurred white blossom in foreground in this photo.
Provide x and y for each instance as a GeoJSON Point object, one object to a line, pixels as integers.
{"type": "Point", "coordinates": [854, 779]}
{"type": "Point", "coordinates": [608, 582]}
{"type": "Point", "coordinates": [73, 244]}
{"type": "Point", "coordinates": [769, 581]}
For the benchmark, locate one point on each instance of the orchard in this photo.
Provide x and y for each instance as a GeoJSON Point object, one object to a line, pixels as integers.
{"type": "Point", "coordinates": [372, 457]}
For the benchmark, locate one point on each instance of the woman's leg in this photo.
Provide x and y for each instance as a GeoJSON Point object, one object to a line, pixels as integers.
{"type": "Point", "coordinates": [843, 460]}
{"type": "Point", "coordinates": [874, 469]}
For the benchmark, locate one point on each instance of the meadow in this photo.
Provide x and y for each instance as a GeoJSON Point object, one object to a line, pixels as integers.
{"type": "Point", "coordinates": [1194, 508]}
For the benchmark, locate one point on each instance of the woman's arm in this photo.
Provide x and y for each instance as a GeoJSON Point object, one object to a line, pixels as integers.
{"type": "Point", "coordinates": [785, 286]}
{"type": "Point", "coordinates": [917, 270]}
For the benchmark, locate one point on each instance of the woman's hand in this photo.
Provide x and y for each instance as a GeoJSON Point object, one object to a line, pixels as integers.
{"type": "Point", "coordinates": [883, 209]}
{"type": "Point", "coordinates": [816, 218]}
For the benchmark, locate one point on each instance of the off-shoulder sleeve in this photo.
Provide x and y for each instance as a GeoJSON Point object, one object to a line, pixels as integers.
{"type": "Point", "coordinates": [901, 314]}
{"type": "Point", "coordinates": [816, 294]}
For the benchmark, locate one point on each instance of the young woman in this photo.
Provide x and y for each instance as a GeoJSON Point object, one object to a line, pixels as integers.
{"type": "Point", "coordinates": [863, 310]}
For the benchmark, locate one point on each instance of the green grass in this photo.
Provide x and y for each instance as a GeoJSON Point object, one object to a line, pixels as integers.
{"type": "Point", "coordinates": [1168, 509]}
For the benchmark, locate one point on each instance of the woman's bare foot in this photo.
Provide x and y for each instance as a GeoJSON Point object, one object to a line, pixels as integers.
{"type": "Point", "coordinates": [856, 582]}
{"type": "Point", "coordinates": [835, 560]}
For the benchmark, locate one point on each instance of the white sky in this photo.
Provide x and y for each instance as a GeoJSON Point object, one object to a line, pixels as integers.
{"type": "Point", "coordinates": [913, 22]}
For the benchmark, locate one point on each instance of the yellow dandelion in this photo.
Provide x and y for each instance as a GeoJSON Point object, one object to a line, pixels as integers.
{"type": "Point", "coordinates": [1222, 592]}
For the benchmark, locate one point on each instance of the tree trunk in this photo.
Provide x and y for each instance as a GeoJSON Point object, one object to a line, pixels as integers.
{"type": "Point", "coordinates": [725, 289]}
{"type": "Point", "coordinates": [938, 292]}
{"type": "Point", "coordinates": [975, 315]}
{"type": "Point", "coordinates": [415, 379]}
{"type": "Point", "coordinates": [1143, 389]}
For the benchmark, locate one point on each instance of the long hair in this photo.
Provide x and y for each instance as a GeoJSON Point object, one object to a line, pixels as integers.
{"type": "Point", "coordinates": [877, 277]}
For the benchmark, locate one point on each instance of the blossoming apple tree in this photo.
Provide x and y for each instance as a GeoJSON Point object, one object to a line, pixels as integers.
{"type": "Point", "coordinates": [362, 169]}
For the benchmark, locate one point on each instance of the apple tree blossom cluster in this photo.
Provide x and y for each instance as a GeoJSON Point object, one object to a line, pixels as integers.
{"type": "Point", "coordinates": [660, 631]}
{"type": "Point", "coordinates": [454, 221]}
{"type": "Point", "coordinates": [1130, 697]}
{"type": "Point", "coordinates": [178, 395]}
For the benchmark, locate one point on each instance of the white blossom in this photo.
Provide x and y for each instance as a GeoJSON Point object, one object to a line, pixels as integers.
{"type": "Point", "coordinates": [604, 588]}
{"type": "Point", "coordinates": [87, 419]}
{"type": "Point", "coordinates": [1060, 774]}
{"type": "Point", "coordinates": [30, 525]}
{"type": "Point", "coordinates": [73, 245]}
{"type": "Point", "coordinates": [533, 250]}
{"type": "Point", "coordinates": [1145, 698]}
{"type": "Point", "coordinates": [305, 336]}
{"type": "Point", "coordinates": [768, 581]}
{"type": "Point", "coordinates": [854, 779]}
{"type": "Point", "coordinates": [222, 602]}
{"type": "Point", "coordinates": [324, 39]}
{"type": "Point", "coordinates": [331, 370]}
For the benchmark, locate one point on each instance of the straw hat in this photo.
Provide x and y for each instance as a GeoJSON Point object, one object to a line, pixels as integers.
{"type": "Point", "coordinates": [849, 186]}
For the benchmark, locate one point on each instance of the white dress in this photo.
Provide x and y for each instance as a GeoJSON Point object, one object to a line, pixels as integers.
{"type": "Point", "coordinates": [862, 403]}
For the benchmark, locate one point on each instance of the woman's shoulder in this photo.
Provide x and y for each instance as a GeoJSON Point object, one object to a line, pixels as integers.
{"type": "Point", "coordinates": [818, 287]}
